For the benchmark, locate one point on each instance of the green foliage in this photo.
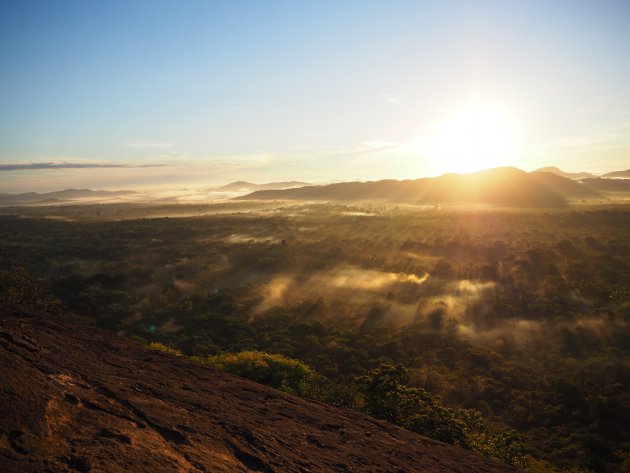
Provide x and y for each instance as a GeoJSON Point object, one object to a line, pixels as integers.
{"type": "Point", "coordinates": [274, 370]}
{"type": "Point", "coordinates": [18, 287]}
{"type": "Point", "coordinates": [334, 393]}
{"type": "Point", "coordinates": [164, 348]}
{"type": "Point", "coordinates": [386, 396]}
{"type": "Point", "coordinates": [538, 466]}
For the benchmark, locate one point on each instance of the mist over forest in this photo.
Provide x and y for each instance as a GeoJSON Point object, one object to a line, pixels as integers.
{"type": "Point", "coordinates": [520, 314]}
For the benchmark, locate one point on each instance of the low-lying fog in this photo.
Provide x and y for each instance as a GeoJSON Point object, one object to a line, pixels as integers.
{"type": "Point", "coordinates": [496, 277]}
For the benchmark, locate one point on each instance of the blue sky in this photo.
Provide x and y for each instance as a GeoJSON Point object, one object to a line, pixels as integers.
{"type": "Point", "coordinates": [316, 91]}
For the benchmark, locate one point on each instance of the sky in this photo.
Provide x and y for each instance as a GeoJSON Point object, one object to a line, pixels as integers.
{"type": "Point", "coordinates": [134, 94]}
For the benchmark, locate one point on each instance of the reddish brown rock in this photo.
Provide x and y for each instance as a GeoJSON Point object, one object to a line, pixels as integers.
{"type": "Point", "coordinates": [75, 398]}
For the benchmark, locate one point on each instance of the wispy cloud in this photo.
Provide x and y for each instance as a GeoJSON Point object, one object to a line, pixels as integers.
{"type": "Point", "coordinates": [35, 166]}
{"type": "Point", "coordinates": [363, 148]}
{"type": "Point", "coordinates": [394, 99]}
{"type": "Point", "coordinates": [613, 135]}
{"type": "Point", "coordinates": [576, 153]}
{"type": "Point", "coordinates": [381, 144]}
{"type": "Point", "coordinates": [606, 110]}
{"type": "Point", "coordinates": [149, 145]}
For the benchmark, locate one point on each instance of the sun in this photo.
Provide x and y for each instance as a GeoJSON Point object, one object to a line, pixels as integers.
{"type": "Point", "coordinates": [478, 136]}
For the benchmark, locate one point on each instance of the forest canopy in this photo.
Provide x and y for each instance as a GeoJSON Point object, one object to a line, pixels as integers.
{"type": "Point", "coordinates": [497, 330]}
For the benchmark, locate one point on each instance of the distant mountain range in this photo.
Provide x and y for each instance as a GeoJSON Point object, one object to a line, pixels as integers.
{"type": "Point", "coordinates": [59, 196]}
{"type": "Point", "coordinates": [568, 175]}
{"type": "Point", "coordinates": [506, 186]}
{"type": "Point", "coordinates": [585, 175]}
{"type": "Point", "coordinates": [618, 174]}
{"type": "Point", "coordinates": [243, 186]}
{"type": "Point", "coordinates": [608, 185]}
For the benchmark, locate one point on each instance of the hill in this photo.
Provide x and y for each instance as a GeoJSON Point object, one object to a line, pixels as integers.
{"type": "Point", "coordinates": [76, 398]}
{"type": "Point", "coordinates": [618, 174]}
{"type": "Point", "coordinates": [568, 175]}
{"type": "Point", "coordinates": [608, 185]}
{"type": "Point", "coordinates": [244, 186]}
{"type": "Point", "coordinates": [500, 186]}
{"type": "Point", "coordinates": [58, 196]}
{"type": "Point", "coordinates": [568, 188]}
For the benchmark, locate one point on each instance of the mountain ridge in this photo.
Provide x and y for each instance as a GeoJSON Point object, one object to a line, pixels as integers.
{"type": "Point", "coordinates": [568, 175]}
{"type": "Point", "coordinates": [65, 194]}
{"type": "Point", "coordinates": [617, 174]}
{"type": "Point", "coordinates": [240, 186]}
{"type": "Point", "coordinates": [507, 186]}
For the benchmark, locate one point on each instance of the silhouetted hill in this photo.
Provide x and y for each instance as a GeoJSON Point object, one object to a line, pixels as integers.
{"type": "Point", "coordinates": [618, 174]}
{"type": "Point", "coordinates": [67, 194]}
{"type": "Point", "coordinates": [500, 186]}
{"type": "Point", "coordinates": [568, 188]}
{"type": "Point", "coordinates": [613, 186]}
{"type": "Point", "coordinates": [237, 186]}
{"type": "Point", "coordinates": [76, 398]}
{"type": "Point", "coordinates": [568, 175]}
{"type": "Point", "coordinates": [244, 186]}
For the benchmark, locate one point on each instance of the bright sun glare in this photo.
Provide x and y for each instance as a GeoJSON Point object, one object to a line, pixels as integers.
{"type": "Point", "coordinates": [479, 136]}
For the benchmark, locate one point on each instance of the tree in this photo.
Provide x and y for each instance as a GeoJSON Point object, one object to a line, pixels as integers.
{"type": "Point", "coordinates": [382, 388]}
{"type": "Point", "coordinates": [17, 287]}
{"type": "Point", "coordinates": [387, 397]}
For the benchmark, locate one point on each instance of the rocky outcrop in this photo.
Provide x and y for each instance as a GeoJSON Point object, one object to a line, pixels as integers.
{"type": "Point", "coordinates": [75, 398]}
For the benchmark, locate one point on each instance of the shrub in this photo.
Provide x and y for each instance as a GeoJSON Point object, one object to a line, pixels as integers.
{"type": "Point", "coordinates": [164, 348]}
{"type": "Point", "coordinates": [274, 370]}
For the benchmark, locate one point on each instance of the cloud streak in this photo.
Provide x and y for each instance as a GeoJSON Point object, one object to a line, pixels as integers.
{"type": "Point", "coordinates": [36, 166]}
{"type": "Point", "coordinates": [614, 135]}
{"type": "Point", "coordinates": [148, 145]}
{"type": "Point", "coordinates": [394, 99]}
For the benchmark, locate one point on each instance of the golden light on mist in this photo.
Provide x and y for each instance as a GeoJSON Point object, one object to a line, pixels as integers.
{"type": "Point", "coordinates": [479, 136]}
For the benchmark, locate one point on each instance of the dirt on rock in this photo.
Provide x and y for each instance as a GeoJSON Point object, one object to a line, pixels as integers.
{"type": "Point", "coordinates": [76, 398]}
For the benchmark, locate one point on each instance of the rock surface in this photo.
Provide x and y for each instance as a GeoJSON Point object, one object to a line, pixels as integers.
{"type": "Point", "coordinates": [75, 398]}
